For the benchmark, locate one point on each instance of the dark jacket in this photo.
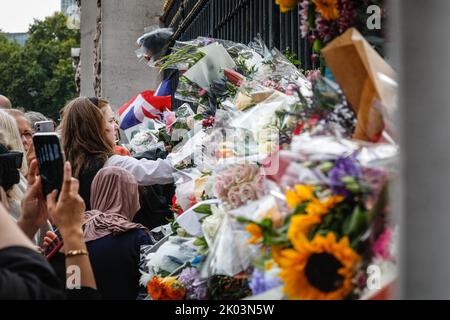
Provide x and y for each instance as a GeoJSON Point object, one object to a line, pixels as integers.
{"type": "Point", "coordinates": [86, 176]}
{"type": "Point", "coordinates": [115, 261]}
{"type": "Point", "coordinates": [26, 275]}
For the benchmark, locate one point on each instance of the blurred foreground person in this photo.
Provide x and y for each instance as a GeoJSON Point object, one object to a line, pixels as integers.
{"type": "Point", "coordinates": [5, 103]}
{"type": "Point", "coordinates": [112, 239]}
{"type": "Point", "coordinates": [24, 273]}
{"type": "Point", "coordinates": [13, 142]}
{"type": "Point", "coordinates": [88, 139]}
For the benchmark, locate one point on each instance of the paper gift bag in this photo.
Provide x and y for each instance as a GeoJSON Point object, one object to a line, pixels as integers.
{"type": "Point", "coordinates": [359, 70]}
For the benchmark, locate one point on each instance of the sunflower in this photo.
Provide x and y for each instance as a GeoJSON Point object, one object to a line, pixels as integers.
{"type": "Point", "coordinates": [321, 269]}
{"type": "Point", "coordinates": [286, 5]}
{"type": "Point", "coordinates": [327, 9]}
{"type": "Point", "coordinates": [300, 226]}
{"type": "Point", "coordinates": [255, 231]}
{"type": "Point", "coordinates": [299, 194]}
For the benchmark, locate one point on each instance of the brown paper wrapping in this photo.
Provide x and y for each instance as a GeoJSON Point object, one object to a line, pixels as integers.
{"type": "Point", "coordinates": [356, 66]}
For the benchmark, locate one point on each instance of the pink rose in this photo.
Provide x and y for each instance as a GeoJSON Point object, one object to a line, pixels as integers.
{"type": "Point", "coordinates": [259, 185]}
{"type": "Point", "coordinates": [248, 192]}
{"type": "Point", "coordinates": [219, 186]}
{"type": "Point", "coordinates": [227, 179]}
{"type": "Point", "coordinates": [244, 173]}
{"type": "Point", "coordinates": [170, 120]}
{"type": "Point", "coordinates": [234, 197]}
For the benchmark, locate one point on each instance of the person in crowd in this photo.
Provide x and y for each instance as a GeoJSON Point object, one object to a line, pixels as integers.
{"type": "Point", "coordinates": [111, 121]}
{"type": "Point", "coordinates": [88, 139]}
{"type": "Point", "coordinates": [24, 273]}
{"type": "Point", "coordinates": [14, 142]}
{"type": "Point", "coordinates": [15, 195]}
{"type": "Point", "coordinates": [113, 240]}
{"type": "Point", "coordinates": [25, 128]}
{"type": "Point", "coordinates": [33, 117]}
{"type": "Point", "coordinates": [154, 199]}
{"type": "Point", "coordinates": [5, 103]}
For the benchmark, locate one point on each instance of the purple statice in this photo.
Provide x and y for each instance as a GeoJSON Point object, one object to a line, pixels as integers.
{"type": "Point", "coordinates": [344, 167]}
{"type": "Point", "coordinates": [196, 289]}
{"type": "Point", "coordinates": [261, 282]}
{"type": "Point", "coordinates": [188, 276]}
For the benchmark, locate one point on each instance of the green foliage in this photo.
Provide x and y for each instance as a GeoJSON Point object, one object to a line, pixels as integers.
{"type": "Point", "coordinates": [291, 56]}
{"type": "Point", "coordinates": [40, 75]}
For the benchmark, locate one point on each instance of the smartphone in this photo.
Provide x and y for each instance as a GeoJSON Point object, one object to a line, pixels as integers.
{"type": "Point", "coordinates": [55, 246]}
{"type": "Point", "coordinates": [50, 161]}
{"type": "Point", "coordinates": [44, 126]}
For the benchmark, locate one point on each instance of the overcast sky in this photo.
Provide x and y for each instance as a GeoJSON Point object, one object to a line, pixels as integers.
{"type": "Point", "coordinates": [17, 15]}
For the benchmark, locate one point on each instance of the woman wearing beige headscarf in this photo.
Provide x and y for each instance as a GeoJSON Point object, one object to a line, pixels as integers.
{"type": "Point", "coordinates": [113, 240]}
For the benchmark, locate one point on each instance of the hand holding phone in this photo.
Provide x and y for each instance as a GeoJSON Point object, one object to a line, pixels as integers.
{"type": "Point", "coordinates": [50, 160]}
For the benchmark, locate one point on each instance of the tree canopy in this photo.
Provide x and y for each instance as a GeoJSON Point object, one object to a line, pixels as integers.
{"type": "Point", "coordinates": [40, 76]}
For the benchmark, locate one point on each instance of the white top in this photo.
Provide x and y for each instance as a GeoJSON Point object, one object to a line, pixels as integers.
{"type": "Point", "coordinates": [147, 172]}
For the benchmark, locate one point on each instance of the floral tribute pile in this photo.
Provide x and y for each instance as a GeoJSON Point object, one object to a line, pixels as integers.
{"type": "Point", "coordinates": [273, 197]}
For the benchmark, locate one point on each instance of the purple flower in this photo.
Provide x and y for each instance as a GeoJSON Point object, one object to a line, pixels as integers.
{"type": "Point", "coordinates": [261, 282]}
{"type": "Point", "coordinates": [344, 167]}
{"type": "Point", "coordinates": [196, 289]}
{"type": "Point", "coordinates": [199, 290]}
{"type": "Point", "coordinates": [188, 276]}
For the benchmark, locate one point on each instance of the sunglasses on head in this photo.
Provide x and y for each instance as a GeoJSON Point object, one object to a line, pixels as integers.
{"type": "Point", "coordinates": [94, 101]}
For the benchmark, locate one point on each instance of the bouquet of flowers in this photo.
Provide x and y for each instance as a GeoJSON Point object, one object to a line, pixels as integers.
{"type": "Point", "coordinates": [336, 224]}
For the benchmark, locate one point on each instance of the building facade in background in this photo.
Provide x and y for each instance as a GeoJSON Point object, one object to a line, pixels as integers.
{"type": "Point", "coordinates": [108, 64]}
{"type": "Point", "coordinates": [19, 37]}
{"type": "Point", "coordinates": [66, 4]}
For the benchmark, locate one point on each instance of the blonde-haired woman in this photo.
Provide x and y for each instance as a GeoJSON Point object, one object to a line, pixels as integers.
{"type": "Point", "coordinates": [8, 126]}
{"type": "Point", "coordinates": [11, 134]}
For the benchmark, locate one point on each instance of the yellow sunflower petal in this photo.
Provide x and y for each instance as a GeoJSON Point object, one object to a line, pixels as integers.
{"type": "Point", "coordinates": [293, 264]}
{"type": "Point", "coordinates": [327, 9]}
{"type": "Point", "coordinates": [292, 199]}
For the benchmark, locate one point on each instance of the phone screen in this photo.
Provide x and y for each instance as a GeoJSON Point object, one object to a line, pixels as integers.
{"type": "Point", "coordinates": [50, 160]}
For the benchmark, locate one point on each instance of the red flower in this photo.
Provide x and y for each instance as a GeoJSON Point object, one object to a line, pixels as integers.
{"type": "Point", "coordinates": [176, 207]}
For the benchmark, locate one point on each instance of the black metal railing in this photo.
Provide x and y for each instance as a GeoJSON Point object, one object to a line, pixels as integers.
{"type": "Point", "coordinates": [240, 21]}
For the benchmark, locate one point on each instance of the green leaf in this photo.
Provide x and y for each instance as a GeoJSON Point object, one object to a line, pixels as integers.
{"type": "Point", "coordinates": [243, 220]}
{"type": "Point", "coordinates": [317, 46]}
{"type": "Point", "coordinates": [266, 223]}
{"type": "Point", "coordinates": [326, 166]}
{"type": "Point", "coordinates": [358, 222]}
{"type": "Point", "coordinates": [204, 209]}
{"type": "Point", "coordinates": [353, 187]}
{"type": "Point", "coordinates": [348, 179]}
{"type": "Point", "coordinates": [300, 208]}
{"type": "Point", "coordinates": [198, 117]}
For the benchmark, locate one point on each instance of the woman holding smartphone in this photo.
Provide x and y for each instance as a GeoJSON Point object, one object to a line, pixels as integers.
{"type": "Point", "coordinates": [88, 136]}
